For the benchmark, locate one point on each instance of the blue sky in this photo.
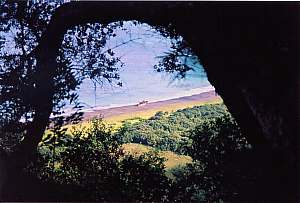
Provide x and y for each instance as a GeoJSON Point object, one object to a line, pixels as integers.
{"type": "Point", "coordinates": [140, 81]}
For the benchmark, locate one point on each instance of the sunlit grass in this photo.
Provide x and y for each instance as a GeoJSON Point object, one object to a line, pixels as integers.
{"type": "Point", "coordinates": [116, 121]}
{"type": "Point", "coordinates": [172, 159]}
{"type": "Point", "coordinates": [145, 114]}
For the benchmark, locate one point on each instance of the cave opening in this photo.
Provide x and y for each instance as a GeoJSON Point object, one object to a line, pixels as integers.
{"type": "Point", "coordinates": [170, 110]}
{"type": "Point", "coordinates": [240, 42]}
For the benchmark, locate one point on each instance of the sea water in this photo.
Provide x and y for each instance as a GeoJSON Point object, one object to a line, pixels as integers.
{"type": "Point", "coordinates": [139, 79]}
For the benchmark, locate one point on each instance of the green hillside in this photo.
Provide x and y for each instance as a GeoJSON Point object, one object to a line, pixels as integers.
{"type": "Point", "coordinates": [172, 159]}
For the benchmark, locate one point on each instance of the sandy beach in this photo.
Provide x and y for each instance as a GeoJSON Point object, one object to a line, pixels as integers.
{"type": "Point", "coordinates": [166, 105]}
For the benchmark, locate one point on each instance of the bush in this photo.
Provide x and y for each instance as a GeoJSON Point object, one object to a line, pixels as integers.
{"type": "Point", "coordinates": [216, 139]}
{"type": "Point", "coordinates": [216, 149]}
{"type": "Point", "coordinates": [193, 183]}
{"type": "Point", "coordinates": [91, 164]}
{"type": "Point", "coordinates": [143, 178]}
{"type": "Point", "coordinates": [168, 131]}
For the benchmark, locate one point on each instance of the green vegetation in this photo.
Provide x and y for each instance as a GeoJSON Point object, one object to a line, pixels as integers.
{"type": "Point", "coordinates": [217, 149]}
{"type": "Point", "coordinates": [171, 159]}
{"type": "Point", "coordinates": [97, 164]}
{"type": "Point", "coordinates": [146, 114]}
{"type": "Point", "coordinates": [169, 131]}
{"type": "Point", "coordinates": [93, 166]}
